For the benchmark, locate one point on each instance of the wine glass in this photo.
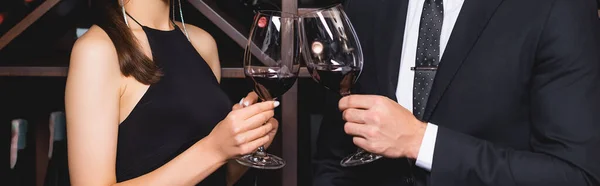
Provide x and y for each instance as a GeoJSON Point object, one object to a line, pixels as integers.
{"type": "Point", "coordinates": [334, 58]}
{"type": "Point", "coordinates": [271, 64]}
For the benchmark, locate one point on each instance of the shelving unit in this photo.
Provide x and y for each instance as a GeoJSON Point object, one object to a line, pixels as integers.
{"type": "Point", "coordinates": [52, 71]}
{"type": "Point", "coordinates": [26, 22]}
{"type": "Point", "coordinates": [38, 71]}
{"type": "Point", "coordinates": [6, 39]}
{"type": "Point", "coordinates": [34, 71]}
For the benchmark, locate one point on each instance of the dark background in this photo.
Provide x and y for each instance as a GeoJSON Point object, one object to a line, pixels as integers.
{"type": "Point", "coordinates": [48, 42]}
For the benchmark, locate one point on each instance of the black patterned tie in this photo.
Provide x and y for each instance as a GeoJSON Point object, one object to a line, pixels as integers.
{"type": "Point", "coordinates": [428, 53]}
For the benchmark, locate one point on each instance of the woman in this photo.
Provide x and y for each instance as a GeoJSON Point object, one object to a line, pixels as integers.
{"type": "Point", "coordinates": [144, 106]}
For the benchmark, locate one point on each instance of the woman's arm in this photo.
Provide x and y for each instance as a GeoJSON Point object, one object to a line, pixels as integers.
{"type": "Point", "coordinates": [235, 171]}
{"type": "Point", "coordinates": [92, 107]}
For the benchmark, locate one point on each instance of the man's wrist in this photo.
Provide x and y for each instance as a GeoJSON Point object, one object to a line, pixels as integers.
{"type": "Point", "coordinates": [418, 140]}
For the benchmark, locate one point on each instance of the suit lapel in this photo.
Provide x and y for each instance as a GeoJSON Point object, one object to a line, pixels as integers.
{"type": "Point", "coordinates": [388, 44]}
{"type": "Point", "coordinates": [473, 18]}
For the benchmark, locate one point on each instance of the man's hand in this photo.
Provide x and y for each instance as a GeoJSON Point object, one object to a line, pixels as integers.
{"type": "Point", "coordinates": [381, 126]}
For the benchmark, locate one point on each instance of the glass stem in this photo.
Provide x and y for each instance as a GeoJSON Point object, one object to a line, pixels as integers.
{"type": "Point", "coordinates": [344, 93]}
{"type": "Point", "coordinates": [360, 150]}
{"type": "Point", "coordinates": [261, 151]}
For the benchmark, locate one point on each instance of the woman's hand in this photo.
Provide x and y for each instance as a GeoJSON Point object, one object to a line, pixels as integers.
{"type": "Point", "coordinates": [243, 130]}
{"type": "Point", "coordinates": [250, 99]}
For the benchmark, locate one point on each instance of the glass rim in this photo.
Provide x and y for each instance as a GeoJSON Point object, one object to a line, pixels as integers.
{"type": "Point", "coordinates": [274, 12]}
{"type": "Point", "coordinates": [325, 8]}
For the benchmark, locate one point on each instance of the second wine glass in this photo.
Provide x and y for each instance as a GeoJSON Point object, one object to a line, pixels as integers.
{"type": "Point", "coordinates": [271, 64]}
{"type": "Point", "coordinates": [334, 58]}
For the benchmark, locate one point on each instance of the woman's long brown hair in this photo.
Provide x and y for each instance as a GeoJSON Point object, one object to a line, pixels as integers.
{"type": "Point", "coordinates": [132, 61]}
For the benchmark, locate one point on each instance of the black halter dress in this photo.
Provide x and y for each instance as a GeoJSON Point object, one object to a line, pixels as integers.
{"type": "Point", "coordinates": [174, 113]}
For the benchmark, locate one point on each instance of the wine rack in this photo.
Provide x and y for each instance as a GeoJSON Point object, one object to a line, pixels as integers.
{"type": "Point", "coordinates": [62, 72]}
{"type": "Point", "coordinates": [29, 19]}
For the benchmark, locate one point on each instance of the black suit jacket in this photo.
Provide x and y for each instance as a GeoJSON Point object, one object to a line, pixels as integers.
{"type": "Point", "coordinates": [516, 96]}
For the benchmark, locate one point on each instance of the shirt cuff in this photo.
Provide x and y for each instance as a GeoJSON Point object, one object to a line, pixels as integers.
{"type": "Point", "coordinates": [425, 157]}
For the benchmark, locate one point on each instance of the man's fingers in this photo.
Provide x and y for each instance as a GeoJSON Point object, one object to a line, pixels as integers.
{"type": "Point", "coordinates": [358, 101]}
{"type": "Point", "coordinates": [355, 129]}
{"type": "Point", "coordinates": [355, 115]}
{"type": "Point", "coordinates": [362, 143]}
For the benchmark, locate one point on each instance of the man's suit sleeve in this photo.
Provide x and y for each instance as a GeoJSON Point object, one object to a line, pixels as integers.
{"type": "Point", "coordinates": [565, 115]}
{"type": "Point", "coordinates": [333, 144]}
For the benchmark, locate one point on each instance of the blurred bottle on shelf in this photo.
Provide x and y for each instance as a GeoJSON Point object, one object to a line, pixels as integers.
{"type": "Point", "coordinates": [30, 5]}
{"type": "Point", "coordinates": [20, 166]}
{"type": "Point", "coordinates": [13, 11]}
{"type": "Point", "coordinates": [2, 15]}
{"type": "Point", "coordinates": [57, 173]}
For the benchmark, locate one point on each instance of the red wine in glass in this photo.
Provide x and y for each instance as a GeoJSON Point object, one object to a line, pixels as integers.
{"type": "Point", "coordinates": [271, 65]}
{"type": "Point", "coordinates": [270, 85]}
{"type": "Point", "coordinates": [334, 58]}
{"type": "Point", "coordinates": [339, 79]}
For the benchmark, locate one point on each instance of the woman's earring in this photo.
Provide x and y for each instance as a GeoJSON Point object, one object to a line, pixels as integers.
{"type": "Point", "coordinates": [123, 10]}
{"type": "Point", "coordinates": [182, 21]}
{"type": "Point", "coordinates": [172, 2]}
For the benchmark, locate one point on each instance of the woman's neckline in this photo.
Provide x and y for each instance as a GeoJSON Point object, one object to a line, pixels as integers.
{"type": "Point", "coordinates": [159, 30]}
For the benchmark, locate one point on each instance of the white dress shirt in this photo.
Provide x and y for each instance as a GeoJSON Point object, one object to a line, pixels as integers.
{"type": "Point", "coordinates": [404, 92]}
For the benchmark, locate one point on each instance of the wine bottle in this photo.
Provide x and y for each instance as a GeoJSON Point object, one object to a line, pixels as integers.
{"type": "Point", "coordinates": [18, 163]}
{"type": "Point", "coordinates": [2, 15]}
{"type": "Point", "coordinates": [14, 11]}
{"type": "Point", "coordinates": [31, 4]}
{"type": "Point", "coordinates": [57, 173]}
{"type": "Point", "coordinates": [10, 13]}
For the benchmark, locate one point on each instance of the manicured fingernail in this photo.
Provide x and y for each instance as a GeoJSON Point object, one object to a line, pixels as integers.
{"type": "Point", "coordinates": [244, 103]}
{"type": "Point", "coordinates": [276, 104]}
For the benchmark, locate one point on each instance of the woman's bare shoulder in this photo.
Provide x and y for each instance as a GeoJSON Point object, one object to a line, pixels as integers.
{"type": "Point", "coordinates": [206, 46]}
{"type": "Point", "coordinates": [94, 49]}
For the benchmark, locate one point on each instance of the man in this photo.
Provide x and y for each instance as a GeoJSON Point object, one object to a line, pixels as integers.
{"type": "Point", "coordinates": [504, 93]}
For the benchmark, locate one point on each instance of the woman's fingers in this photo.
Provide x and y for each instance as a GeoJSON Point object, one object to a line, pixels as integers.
{"type": "Point", "coordinates": [253, 134]}
{"type": "Point", "coordinates": [253, 110]}
{"type": "Point", "coordinates": [253, 145]}
{"type": "Point", "coordinates": [260, 119]}
{"type": "Point", "coordinates": [250, 99]}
